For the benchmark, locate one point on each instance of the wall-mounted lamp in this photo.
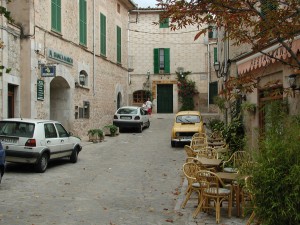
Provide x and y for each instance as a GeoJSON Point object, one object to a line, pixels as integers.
{"type": "Point", "coordinates": [148, 74]}
{"type": "Point", "coordinates": [222, 70]}
{"type": "Point", "coordinates": [294, 81]}
{"type": "Point", "coordinates": [81, 79]}
{"type": "Point", "coordinates": [181, 72]}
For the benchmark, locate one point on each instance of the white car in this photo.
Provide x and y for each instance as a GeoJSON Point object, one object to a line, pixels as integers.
{"type": "Point", "coordinates": [37, 141]}
{"type": "Point", "coordinates": [131, 117]}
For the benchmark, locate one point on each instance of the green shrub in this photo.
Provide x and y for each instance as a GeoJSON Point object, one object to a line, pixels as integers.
{"type": "Point", "coordinates": [275, 183]}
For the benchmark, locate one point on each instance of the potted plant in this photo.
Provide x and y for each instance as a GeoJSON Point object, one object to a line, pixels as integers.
{"type": "Point", "coordinates": [95, 135]}
{"type": "Point", "coordinates": [111, 130]}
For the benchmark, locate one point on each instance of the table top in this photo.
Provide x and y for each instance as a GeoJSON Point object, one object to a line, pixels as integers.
{"type": "Point", "coordinates": [227, 176]}
{"type": "Point", "coordinates": [209, 162]}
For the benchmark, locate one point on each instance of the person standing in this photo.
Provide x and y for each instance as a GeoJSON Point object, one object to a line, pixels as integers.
{"type": "Point", "coordinates": [149, 106]}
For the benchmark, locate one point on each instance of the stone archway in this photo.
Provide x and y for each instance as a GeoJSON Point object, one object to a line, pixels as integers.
{"type": "Point", "coordinates": [60, 101]}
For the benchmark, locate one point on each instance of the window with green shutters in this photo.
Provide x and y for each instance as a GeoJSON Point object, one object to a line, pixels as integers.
{"type": "Point", "coordinates": [82, 22]}
{"type": "Point", "coordinates": [56, 15]}
{"type": "Point", "coordinates": [164, 23]}
{"type": "Point", "coordinates": [102, 34]}
{"type": "Point", "coordinates": [119, 44]}
{"type": "Point", "coordinates": [161, 60]}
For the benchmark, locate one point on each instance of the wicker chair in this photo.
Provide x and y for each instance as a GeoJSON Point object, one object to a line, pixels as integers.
{"type": "Point", "coordinates": [235, 161]}
{"type": "Point", "coordinates": [213, 189]}
{"type": "Point", "coordinates": [208, 152]}
{"type": "Point", "coordinates": [189, 151]}
{"type": "Point", "coordinates": [189, 170]}
{"type": "Point", "coordinates": [196, 135]}
{"type": "Point", "coordinates": [198, 142]}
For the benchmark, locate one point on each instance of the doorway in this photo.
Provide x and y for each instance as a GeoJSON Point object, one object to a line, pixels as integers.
{"type": "Point", "coordinates": [165, 98]}
{"type": "Point", "coordinates": [11, 101]}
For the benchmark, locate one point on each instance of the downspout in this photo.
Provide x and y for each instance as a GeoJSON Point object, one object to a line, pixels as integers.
{"type": "Point", "coordinates": [94, 54]}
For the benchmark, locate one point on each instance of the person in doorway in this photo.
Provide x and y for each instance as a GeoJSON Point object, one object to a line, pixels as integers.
{"type": "Point", "coordinates": [149, 106]}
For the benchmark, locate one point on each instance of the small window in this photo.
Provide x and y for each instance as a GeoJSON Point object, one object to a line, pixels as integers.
{"type": "Point", "coordinates": [56, 15]}
{"type": "Point", "coordinates": [140, 97]}
{"type": "Point", "coordinates": [164, 23]}
{"type": "Point", "coordinates": [83, 78]}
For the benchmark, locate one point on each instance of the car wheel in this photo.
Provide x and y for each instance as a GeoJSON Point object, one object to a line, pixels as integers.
{"type": "Point", "coordinates": [148, 124]}
{"type": "Point", "coordinates": [173, 144]}
{"type": "Point", "coordinates": [74, 156]}
{"type": "Point", "coordinates": [140, 128]}
{"type": "Point", "coordinates": [42, 163]}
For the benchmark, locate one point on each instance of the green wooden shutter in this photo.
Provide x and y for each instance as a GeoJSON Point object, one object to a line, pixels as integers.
{"type": "Point", "coordinates": [82, 22]}
{"type": "Point", "coordinates": [215, 55]}
{"type": "Point", "coordinates": [102, 34]}
{"type": "Point", "coordinates": [156, 60]}
{"type": "Point", "coordinates": [164, 23]}
{"type": "Point", "coordinates": [167, 60]}
{"type": "Point", "coordinates": [119, 44]}
{"type": "Point", "coordinates": [56, 15]}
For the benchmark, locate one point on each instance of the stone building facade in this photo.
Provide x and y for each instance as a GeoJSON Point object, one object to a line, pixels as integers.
{"type": "Point", "coordinates": [73, 61]}
{"type": "Point", "coordinates": [178, 51]}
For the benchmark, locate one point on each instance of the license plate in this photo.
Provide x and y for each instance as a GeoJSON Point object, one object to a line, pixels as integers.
{"type": "Point", "coordinates": [126, 117]}
{"type": "Point", "coordinates": [9, 140]}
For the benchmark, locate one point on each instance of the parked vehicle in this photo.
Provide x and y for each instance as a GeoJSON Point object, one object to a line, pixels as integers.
{"type": "Point", "coordinates": [131, 117]}
{"type": "Point", "coordinates": [186, 124]}
{"type": "Point", "coordinates": [37, 141]}
{"type": "Point", "coordinates": [2, 161]}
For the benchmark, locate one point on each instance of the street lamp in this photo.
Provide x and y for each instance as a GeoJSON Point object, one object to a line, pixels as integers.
{"type": "Point", "coordinates": [148, 74]}
{"type": "Point", "coordinates": [222, 70]}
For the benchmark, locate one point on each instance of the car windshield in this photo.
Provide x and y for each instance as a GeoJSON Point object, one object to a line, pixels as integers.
{"type": "Point", "coordinates": [188, 119]}
{"type": "Point", "coordinates": [16, 128]}
{"type": "Point", "coordinates": [127, 111]}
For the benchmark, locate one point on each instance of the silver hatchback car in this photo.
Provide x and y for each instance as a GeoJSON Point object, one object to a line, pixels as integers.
{"type": "Point", "coordinates": [131, 117]}
{"type": "Point", "coordinates": [37, 141]}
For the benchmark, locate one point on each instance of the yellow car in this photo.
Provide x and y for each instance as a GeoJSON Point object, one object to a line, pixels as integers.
{"type": "Point", "coordinates": [186, 124]}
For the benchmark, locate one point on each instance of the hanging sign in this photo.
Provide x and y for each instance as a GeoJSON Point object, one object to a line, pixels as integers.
{"type": "Point", "coordinates": [48, 71]}
{"type": "Point", "coordinates": [40, 90]}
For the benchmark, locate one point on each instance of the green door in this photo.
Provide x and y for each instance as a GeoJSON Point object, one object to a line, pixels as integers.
{"type": "Point", "coordinates": [165, 98]}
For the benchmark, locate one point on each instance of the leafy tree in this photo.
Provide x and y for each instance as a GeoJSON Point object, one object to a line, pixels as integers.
{"type": "Point", "coordinates": [257, 23]}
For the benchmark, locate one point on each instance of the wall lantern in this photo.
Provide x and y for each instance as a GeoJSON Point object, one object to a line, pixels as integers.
{"type": "Point", "coordinates": [222, 70]}
{"type": "Point", "coordinates": [148, 74]}
{"type": "Point", "coordinates": [81, 79]}
{"type": "Point", "coordinates": [294, 81]}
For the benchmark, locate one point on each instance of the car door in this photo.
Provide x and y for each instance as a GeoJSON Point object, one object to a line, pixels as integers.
{"type": "Point", "coordinates": [65, 140]}
{"type": "Point", "coordinates": [144, 116]}
{"type": "Point", "coordinates": [52, 140]}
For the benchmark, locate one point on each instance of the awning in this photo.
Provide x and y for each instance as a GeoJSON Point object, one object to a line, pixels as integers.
{"type": "Point", "coordinates": [259, 60]}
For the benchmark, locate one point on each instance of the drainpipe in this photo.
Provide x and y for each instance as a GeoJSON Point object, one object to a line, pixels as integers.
{"type": "Point", "coordinates": [209, 72]}
{"type": "Point", "coordinates": [94, 48]}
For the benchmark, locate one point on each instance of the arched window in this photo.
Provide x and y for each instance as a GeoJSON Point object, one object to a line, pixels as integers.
{"type": "Point", "coordinates": [139, 97]}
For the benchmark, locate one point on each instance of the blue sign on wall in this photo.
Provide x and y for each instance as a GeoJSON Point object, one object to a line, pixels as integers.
{"type": "Point", "coordinates": [48, 71]}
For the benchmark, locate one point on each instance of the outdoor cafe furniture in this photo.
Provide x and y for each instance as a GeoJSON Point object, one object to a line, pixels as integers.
{"type": "Point", "coordinates": [207, 152]}
{"type": "Point", "coordinates": [189, 170]}
{"type": "Point", "coordinates": [235, 161]}
{"type": "Point", "coordinates": [203, 134]}
{"type": "Point", "coordinates": [210, 162]}
{"type": "Point", "coordinates": [189, 151]}
{"type": "Point", "coordinates": [198, 142]}
{"type": "Point", "coordinates": [213, 189]}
